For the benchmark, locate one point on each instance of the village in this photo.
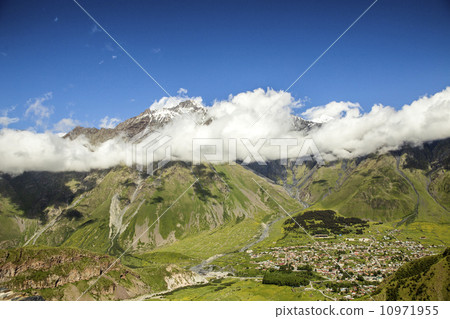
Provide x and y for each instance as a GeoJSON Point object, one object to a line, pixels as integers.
{"type": "Point", "coordinates": [351, 267]}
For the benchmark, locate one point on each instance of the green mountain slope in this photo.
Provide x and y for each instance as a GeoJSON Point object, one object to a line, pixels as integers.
{"type": "Point", "coordinates": [423, 279]}
{"type": "Point", "coordinates": [122, 208]}
{"type": "Point", "coordinates": [108, 211]}
{"type": "Point", "coordinates": [168, 223]}
{"type": "Point", "coordinates": [378, 188]}
{"type": "Point", "coordinates": [408, 188]}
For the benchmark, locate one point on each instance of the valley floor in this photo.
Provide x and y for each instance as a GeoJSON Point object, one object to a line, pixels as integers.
{"type": "Point", "coordinates": [238, 289]}
{"type": "Point", "coordinates": [351, 266]}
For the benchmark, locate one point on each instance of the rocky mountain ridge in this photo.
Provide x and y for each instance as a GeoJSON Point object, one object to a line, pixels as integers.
{"type": "Point", "coordinates": [151, 120]}
{"type": "Point", "coordinates": [220, 211]}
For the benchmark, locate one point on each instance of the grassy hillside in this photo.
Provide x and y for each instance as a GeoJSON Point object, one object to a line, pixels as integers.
{"type": "Point", "coordinates": [439, 187]}
{"type": "Point", "coordinates": [106, 211]}
{"type": "Point", "coordinates": [423, 279]}
{"type": "Point", "coordinates": [371, 189]}
{"type": "Point", "coordinates": [386, 188]}
{"type": "Point", "coordinates": [233, 289]}
{"type": "Point", "coordinates": [121, 208]}
{"type": "Point", "coordinates": [186, 214]}
{"type": "Point", "coordinates": [256, 207]}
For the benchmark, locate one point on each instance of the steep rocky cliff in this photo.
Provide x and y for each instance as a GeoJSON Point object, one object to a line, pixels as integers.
{"type": "Point", "coordinates": [64, 274]}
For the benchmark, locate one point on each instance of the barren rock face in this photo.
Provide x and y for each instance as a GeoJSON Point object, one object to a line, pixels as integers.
{"type": "Point", "coordinates": [180, 278]}
{"type": "Point", "coordinates": [52, 271]}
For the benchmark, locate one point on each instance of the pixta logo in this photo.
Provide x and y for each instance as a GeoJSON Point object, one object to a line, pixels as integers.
{"type": "Point", "coordinates": [218, 150]}
{"type": "Point", "coordinates": [150, 151]}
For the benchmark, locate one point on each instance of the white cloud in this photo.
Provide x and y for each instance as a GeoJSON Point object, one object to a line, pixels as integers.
{"type": "Point", "coordinates": [182, 91]}
{"type": "Point", "coordinates": [347, 133]}
{"type": "Point", "coordinates": [107, 122]}
{"type": "Point", "coordinates": [37, 110]}
{"type": "Point", "coordinates": [169, 102]}
{"type": "Point", "coordinates": [65, 125]}
{"type": "Point", "coordinates": [101, 62]}
{"type": "Point", "coordinates": [232, 118]}
{"type": "Point", "coordinates": [5, 120]}
{"type": "Point", "coordinates": [384, 128]}
{"type": "Point", "coordinates": [333, 110]}
{"type": "Point", "coordinates": [156, 50]}
{"type": "Point", "coordinates": [114, 57]}
{"type": "Point", "coordinates": [350, 132]}
{"type": "Point", "coordinates": [29, 151]}
{"type": "Point", "coordinates": [56, 19]}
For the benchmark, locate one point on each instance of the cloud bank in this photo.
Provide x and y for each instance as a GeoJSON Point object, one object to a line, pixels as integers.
{"type": "Point", "coordinates": [350, 133]}
{"type": "Point", "coordinates": [29, 151]}
{"type": "Point", "coordinates": [345, 132]}
{"type": "Point", "coordinates": [108, 122]}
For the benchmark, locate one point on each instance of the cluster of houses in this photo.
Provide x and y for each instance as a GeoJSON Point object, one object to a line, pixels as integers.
{"type": "Point", "coordinates": [364, 260]}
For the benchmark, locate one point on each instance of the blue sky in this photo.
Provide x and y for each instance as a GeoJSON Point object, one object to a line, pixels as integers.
{"type": "Point", "coordinates": [396, 53]}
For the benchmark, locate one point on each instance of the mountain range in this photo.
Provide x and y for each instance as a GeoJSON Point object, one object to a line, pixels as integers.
{"type": "Point", "coordinates": [53, 223]}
